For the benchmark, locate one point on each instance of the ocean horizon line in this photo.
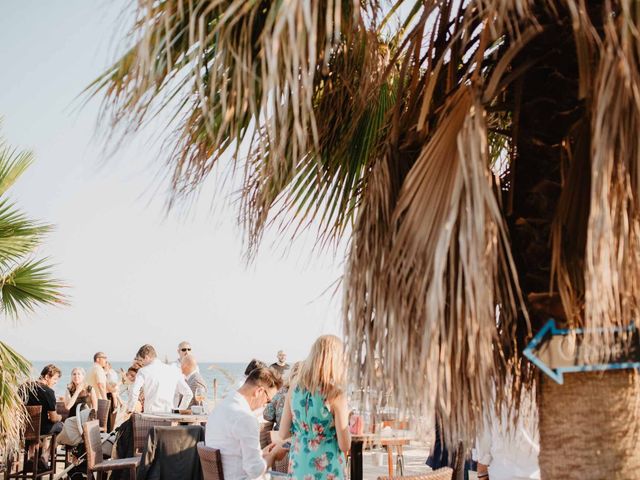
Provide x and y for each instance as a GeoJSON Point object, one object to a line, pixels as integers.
{"type": "Point", "coordinates": [40, 360]}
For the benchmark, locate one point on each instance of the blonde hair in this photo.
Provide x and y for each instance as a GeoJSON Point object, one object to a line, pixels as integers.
{"type": "Point", "coordinates": [72, 386]}
{"type": "Point", "coordinates": [324, 371]}
{"type": "Point", "coordinates": [293, 373]}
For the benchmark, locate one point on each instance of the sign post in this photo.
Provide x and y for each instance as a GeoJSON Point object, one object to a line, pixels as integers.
{"type": "Point", "coordinates": [558, 351]}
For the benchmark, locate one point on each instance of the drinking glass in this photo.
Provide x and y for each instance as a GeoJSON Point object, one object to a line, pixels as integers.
{"type": "Point", "coordinates": [200, 395]}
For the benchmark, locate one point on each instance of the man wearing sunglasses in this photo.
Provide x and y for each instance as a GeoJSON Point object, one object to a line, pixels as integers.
{"type": "Point", "coordinates": [97, 376]}
{"type": "Point", "coordinates": [184, 349]}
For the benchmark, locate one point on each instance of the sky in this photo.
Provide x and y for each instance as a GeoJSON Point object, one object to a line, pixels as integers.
{"type": "Point", "coordinates": [135, 274]}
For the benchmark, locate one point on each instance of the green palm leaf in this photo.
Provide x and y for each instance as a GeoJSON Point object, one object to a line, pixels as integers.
{"type": "Point", "coordinates": [19, 235]}
{"type": "Point", "coordinates": [29, 285]}
{"type": "Point", "coordinates": [24, 285]}
{"type": "Point", "coordinates": [13, 164]}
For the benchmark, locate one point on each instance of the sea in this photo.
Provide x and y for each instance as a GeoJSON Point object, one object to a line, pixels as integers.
{"type": "Point", "coordinates": [227, 375]}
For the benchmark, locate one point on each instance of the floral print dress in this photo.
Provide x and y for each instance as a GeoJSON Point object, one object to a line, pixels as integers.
{"type": "Point", "coordinates": [315, 454]}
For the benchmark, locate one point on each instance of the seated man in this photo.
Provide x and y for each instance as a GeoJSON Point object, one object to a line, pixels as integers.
{"type": "Point", "coordinates": [160, 383]}
{"type": "Point", "coordinates": [41, 393]}
{"type": "Point", "coordinates": [192, 376]}
{"type": "Point", "coordinates": [233, 428]}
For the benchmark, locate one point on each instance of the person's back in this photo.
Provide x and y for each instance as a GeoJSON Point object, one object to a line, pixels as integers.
{"type": "Point", "coordinates": [194, 379]}
{"type": "Point", "coordinates": [315, 444]}
{"type": "Point", "coordinates": [160, 382]}
{"type": "Point", "coordinates": [231, 419]}
{"type": "Point", "coordinates": [510, 452]}
{"type": "Point", "coordinates": [37, 394]}
{"type": "Point", "coordinates": [316, 414]}
{"type": "Point", "coordinates": [159, 386]}
{"type": "Point", "coordinates": [233, 427]}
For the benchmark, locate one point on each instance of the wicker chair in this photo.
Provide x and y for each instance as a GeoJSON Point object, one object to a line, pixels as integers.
{"type": "Point", "coordinates": [103, 413]}
{"type": "Point", "coordinates": [282, 466]}
{"type": "Point", "coordinates": [211, 462]}
{"type": "Point", "coordinates": [265, 433]}
{"type": "Point", "coordinates": [445, 473]}
{"type": "Point", "coordinates": [95, 461]}
{"type": "Point", "coordinates": [141, 427]}
{"type": "Point", "coordinates": [32, 436]}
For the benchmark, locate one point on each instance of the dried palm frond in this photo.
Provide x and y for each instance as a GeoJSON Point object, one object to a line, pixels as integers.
{"type": "Point", "coordinates": [448, 267]}
{"type": "Point", "coordinates": [612, 255]}
{"type": "Point", "coordinates": [228, 68]}
{"type": "Point", "coordinates": [351, 115]}
{"type": "Point", "coordinates": [14, 371]}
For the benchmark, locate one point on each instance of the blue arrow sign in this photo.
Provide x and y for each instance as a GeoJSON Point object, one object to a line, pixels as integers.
{"type": "Point", "coordinates": [557, 351]}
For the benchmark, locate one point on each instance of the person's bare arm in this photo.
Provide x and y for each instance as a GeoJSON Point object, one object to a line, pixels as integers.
{"type": "Point", "coordinates": [341, 419]}
{"type": "Point", "coordinates": [69, 399]}
{"type": "Point", "coordinates": [94, 399]}
{"type": "Point", "coordinates": [101, 388]}
{"type": "Point", "coordinates": [285, 422]}
{"type": "Point", "coordinates": [54, 416]}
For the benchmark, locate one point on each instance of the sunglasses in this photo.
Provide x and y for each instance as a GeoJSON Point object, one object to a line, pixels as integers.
{"type": "Point", "coordinates": [266, 394]}
{"type": "Point", "coordinates": [185, 349]}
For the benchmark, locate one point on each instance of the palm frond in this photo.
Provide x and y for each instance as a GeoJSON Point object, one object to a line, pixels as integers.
{"type": "Point", "coordinates": [348, 121]}
{"type": "Point", "coordinates": [612, 254]}
{"type": "Point", "coordinates": [29, 285]}
{"type": "Point", "coordinates": [13, 164]}
{"type": "Point", "coordinates": [19, 235]}
{"type": "Point", "coordinates": [226, 66]}
{"type": "Point", "coordinates": [14, 371]}
{"type": "Point", "coordinates": [24, 284]}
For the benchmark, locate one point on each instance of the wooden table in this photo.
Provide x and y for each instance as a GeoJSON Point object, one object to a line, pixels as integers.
{"type": "Point", "coordinates": [176, 418]}
{"type": "Point", "coordinates": [397, 439]}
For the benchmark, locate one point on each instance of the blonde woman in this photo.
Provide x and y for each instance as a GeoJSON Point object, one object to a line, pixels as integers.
{"type": "Point", "coordinates": [78, 393]}
{"type": "Point", "coordinates": [316, 408]}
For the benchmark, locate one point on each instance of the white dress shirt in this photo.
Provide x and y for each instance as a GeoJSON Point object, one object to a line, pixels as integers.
{"type": "Point", "coordinates": [159, 382]}
{"type": "Point", "coordinates": [511, 453]}
{"type": "Point", "coordinates": [233, 429]}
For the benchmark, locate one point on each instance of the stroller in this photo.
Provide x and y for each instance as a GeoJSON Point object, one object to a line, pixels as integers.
{"type": "Point", "coordinates": [71, 436]}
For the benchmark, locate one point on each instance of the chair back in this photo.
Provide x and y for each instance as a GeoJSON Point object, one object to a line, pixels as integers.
{"type": "Point", "coordinates": [103, 413]}
{"type": "Point", "coordinates": [396, 424]}
{"type": "Point", "coordinates": [92, 443]}
{"type": "Point", "coordinates": [141, 427]}
{"type": "Point", "coordinates": [32, 425]}
{"type": "Point", "coordinates": [444, 473]}
{"type": "Point", "coordinates": [211, 462]}
{"type": "Point", "coordinates": [282, 466]}
{"type": "Point", "coordinates": [265, 433]}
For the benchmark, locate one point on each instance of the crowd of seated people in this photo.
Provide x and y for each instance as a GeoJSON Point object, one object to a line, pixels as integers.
{"type": "Point", "coordinates": [233, 426]}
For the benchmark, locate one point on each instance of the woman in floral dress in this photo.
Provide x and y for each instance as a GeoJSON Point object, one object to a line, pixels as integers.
{"type": "Point", "coordinates": [316, 415]}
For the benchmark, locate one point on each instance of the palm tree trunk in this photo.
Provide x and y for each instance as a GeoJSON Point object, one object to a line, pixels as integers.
{"type": "Point", "coordinates": [590, 426]}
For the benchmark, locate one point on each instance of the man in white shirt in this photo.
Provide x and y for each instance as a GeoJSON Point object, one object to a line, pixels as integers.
{"type": "Point", "coordinates": [159, 382]}
{"type": "Point", "coordinates": [505, 453]}
{"type": "Point", "coordinates": [233, 428]}
{"type": "Point", "coordinates": [97, 376]}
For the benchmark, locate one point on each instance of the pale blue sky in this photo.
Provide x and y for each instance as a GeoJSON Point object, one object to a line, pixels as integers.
{"type": "Point", "coordinates": [135, 275]}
